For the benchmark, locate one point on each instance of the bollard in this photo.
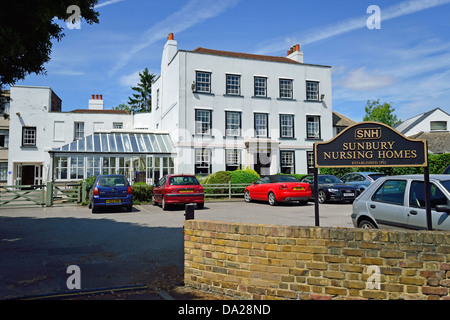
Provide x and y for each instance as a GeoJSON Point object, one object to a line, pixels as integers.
{"type": "Point", "coordinates": [190, 208]}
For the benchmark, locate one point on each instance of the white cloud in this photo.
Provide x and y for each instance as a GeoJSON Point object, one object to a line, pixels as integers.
{"type": "Point", "coordinates": [130, 80]}
{"type": "Point", "coordinates": [194, 12]}
{"type": "Point", "coordinates": [106, 3]}
{"type": "Point", "coordinates": [328, 31]}
{"type": "Point", "coordinates": [362, 80]}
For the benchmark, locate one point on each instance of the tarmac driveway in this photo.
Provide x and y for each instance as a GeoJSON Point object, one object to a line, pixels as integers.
{"type": "Point", "coordinates": [117, 248]}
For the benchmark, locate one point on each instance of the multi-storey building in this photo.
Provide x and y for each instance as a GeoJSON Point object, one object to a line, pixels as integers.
{"type": "Point", "coordinates": [228, 110]}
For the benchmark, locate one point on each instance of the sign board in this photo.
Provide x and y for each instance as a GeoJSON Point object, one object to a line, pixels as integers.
{"type": "Point", "coordinates": [370, 144]}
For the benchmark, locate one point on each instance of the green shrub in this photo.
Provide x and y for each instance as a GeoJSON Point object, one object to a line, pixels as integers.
{"type": "Point", "coordinates": [246, 176]}
{"type": "Point", "coordinates": [219, 177]}
{"type": "Point", "coordinates": [142, 192]}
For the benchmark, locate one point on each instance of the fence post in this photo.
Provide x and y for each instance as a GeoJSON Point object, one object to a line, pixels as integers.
{"type": "Point", "coordinates": [229, 189]}
{"type": "Point", "coordinates": [49, 201]}
{"type": "Point", "coordinates": [83, 191]}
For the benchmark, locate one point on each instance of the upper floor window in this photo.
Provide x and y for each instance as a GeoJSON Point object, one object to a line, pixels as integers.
{"type": "Point", "coordinates": [117, 125]}
{"type": "Point", "coordinates": [4, 138]}
{"type": "Point", "coordinates": [260, 87]}
{"type": "Point", "coordinates": [261, 125]}
{"type": "Point", "coordinates": [438, 125]}
{"type": "Point", "coordinates": [28, 136]}
{"type": "Point", "coordinates": [203, 82]}
{"type": "Point", "coordinates": [286, 88]}
{"type": "Point", "coordinates": [78, 130]}
{"type": "Point", "coordinates": [312, 90]}
{"type": "Point", "coordinates": [233, 86]}
{"type": "Point", "coordinates": [313, 127]}
{"type": "Point", "coordinates": [203, 122]}
{"type": "Point", "coordinates": [233, 123]}
{"type": "Point", "coordinates": [286, 126]}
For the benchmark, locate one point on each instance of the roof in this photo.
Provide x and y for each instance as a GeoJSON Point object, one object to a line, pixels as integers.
{"type": "Point", "coordinates": [119, 143]}
{"type": "Point", "coordinates": [109, 111]}
{"type": "Point", "coordinates": [251, 56]}
{"type": "Point", "coordinates": [341, 121]}
{"type": "Point", "coordinates": [438, 142]}
{"type": "Point", "coordinates": [410, 123]}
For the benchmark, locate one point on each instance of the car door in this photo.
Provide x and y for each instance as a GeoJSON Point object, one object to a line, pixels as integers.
{"type": "Point", "coordinates": [387, 204]}
{"type": "Point", "coordinates": [416, 216]}
{"type": "Point", "coordinates": [259, 188]}
{"type": "Point", "coordinates": [158, 189]}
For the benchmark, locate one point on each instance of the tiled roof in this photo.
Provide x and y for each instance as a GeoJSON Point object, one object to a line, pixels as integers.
{"type": "Point", "coordinates": [341, 121]}
{"type": "Point", "coordinates": [438, 142]}
{"type": "Point", "coordinates": [100, 111]}
{"type": "Point", "coordinates": [248, 56]}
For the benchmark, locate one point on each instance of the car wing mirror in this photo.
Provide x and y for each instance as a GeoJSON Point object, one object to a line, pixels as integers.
{"type": "Point", "coordinates": [443, 208]}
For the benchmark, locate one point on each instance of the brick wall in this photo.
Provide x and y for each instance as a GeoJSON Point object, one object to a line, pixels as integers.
{"type": "Point", "coordinates": [253, 261]}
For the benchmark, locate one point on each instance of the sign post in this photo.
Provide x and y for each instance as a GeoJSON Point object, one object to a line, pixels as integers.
{"type": "Point", "coordinates": [371, 144]}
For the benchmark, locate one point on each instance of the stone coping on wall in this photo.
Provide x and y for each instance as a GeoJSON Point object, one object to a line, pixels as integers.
{"type": "Point", "coordinates": [259, 261]}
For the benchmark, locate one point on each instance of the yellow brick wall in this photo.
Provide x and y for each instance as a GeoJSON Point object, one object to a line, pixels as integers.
{"type": "Point", "coordinates": [255, 261]}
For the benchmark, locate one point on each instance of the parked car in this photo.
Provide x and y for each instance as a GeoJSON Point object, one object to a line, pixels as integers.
{"type": "Point", "coordinates": [110, 191]}
{"type": "Point", "coordinates": [331, 188]}
{"type": "Point", "coordinates": [447, 170]}
{"type": "Point", "coordinates": [178, 189]}
{"type": "Point", "coordinates": [400, 201]}
{"type": "Point", "coordinates": [278, 188]}
{"type": "Point", "coordinates": [361, 180]}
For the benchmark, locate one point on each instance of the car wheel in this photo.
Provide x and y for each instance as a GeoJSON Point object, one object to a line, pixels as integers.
{"type": "Point", "coordinates": [200, 205]}
{"type": "Point", "coordinates": [164, 205]}
{"type": "Point", "coordinates": [129, 208]}
{"type": "Point", "coordinates": [94, 209]}
{"type": "Point", "coordinates": [154, 201]}
{"type": "Point", "coordinates": [303, 203]}
{"type": "Point", "coordinates": [247, 197]}
{"type": "Point", "coordinates": [322, 197]}
{"type": "Point", "coordinates": [366, 224]}
{"type": "Point", "coordinates": [90, 205]}
{"type": "Point", "coordinates": [272, 199]}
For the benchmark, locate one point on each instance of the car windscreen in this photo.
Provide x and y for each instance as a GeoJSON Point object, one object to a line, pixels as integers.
{"type": "Point", "coordinates": [375, 176]}
{"type": "Point", "coordinates": [446, 184]}
{"type": "Point", "coordinates": [183, 181]}
{"type": "Point", "coordinates": [329, 179]}
{"type": "Point", "coordinates": [281, 178]}
{"type": "Point", "coordinates": [115, 181]}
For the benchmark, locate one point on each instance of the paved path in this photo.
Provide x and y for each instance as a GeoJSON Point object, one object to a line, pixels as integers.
{"type": "Point", "coordinates": [117, 248]}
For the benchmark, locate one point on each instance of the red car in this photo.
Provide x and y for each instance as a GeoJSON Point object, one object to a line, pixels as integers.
{"type": "Point", "coordinates": [178, 189]}
{"type": "Point", "coordinates": [278, 188]}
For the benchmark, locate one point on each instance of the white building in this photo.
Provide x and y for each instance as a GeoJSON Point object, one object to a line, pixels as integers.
{"type": "Point", "coordinates": [435, 120]}
{"type": "Point", "coordinates": [48, 144]}
{"type": "Point", "coordinates": [226, 110]}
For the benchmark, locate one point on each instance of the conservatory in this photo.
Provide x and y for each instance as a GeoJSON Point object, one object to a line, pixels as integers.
{"type": "Point", "coordinates": [141, 156]}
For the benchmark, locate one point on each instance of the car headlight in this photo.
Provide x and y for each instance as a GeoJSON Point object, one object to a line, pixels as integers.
{"type": "Point", "coordinates": [333, 190]}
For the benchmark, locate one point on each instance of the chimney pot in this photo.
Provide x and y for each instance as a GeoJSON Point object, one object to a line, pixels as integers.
{"type": "Point", "coordinates": [297, 47]}
{"type": "Point", "coordinates": [96, 97]}
{"type": "Point", "coordinates": [93, 96]}
{"type": "Point", "coordinates": [101, 97]}
{"type": "Point", "coordinates": [170, 37]}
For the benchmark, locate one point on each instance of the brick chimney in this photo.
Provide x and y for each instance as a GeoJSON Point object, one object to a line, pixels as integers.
{"type": "Point", "coordinates": [170, 49]}
{"type": "Point", "coordinates": [295, 54]}
{"type": "Point", "coordinates": [96, 102]}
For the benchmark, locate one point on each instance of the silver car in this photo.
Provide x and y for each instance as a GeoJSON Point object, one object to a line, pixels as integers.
{"type": "Point", "coordinates": [399, 201]}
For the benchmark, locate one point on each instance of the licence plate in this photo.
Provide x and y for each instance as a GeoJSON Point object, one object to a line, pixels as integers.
{"type": "Point", "coordinates": [114, 201]}
{"type": "Point", "coordinates": [186, 191]}
{"type": "Point", "coordinates": [349, 194]}
{"type": "Point", "coordinates": [298, 188]}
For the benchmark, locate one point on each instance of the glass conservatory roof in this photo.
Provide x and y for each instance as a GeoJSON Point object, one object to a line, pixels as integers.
{"type": "Point", "coordinates": [119, 142]}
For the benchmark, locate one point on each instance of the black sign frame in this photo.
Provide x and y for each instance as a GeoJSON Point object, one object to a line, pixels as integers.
{"type": "Point", "coordinates": [364, 145]}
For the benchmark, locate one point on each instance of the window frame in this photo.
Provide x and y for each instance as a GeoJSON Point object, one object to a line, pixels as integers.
{"type": "Point", "coordinates": [227, 124]}
{"type": "Point", "coordinates": [230, 89]}
{"type": "Point", "coordinates": [283, 91]}
{"type": "Point", "coordinates": [233, 166]}
{"type": "Point", "coordinates": [202, 84]}
{"type": "Point", "coordinates": [292, 126]}
{"type": "Point", "coordinates": [266, 115]}
{"type": "Point", "coordinates": [256, 88]}
{"type": "Point", "coordinates": [308, 136]}
{"type": "Point", "coordinates": [283, 164]}
{"type": "Point", "coordinates": [309, 91]}
{"type": "Point", "coordinates": [24, 137]}
{"type": "Point", "coordinates": [199, 124]}
{"type": "Point", "coordinates": [200, 165]}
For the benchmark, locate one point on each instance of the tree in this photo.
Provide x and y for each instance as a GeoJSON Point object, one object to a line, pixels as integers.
{"type": "Point", "coordinates": [27, 28]}
{"type": "Point", "coordinates": [122, 106]}
{"type": "Point", "coordinates": [384, 113]}
{"type": "Point", "coordinates": [141, 101]}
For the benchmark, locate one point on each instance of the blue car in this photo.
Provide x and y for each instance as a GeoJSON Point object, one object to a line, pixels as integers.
{"type": "Point", "coordinates": [361, 180]}
{"type": "Point", "coordinates": [110, 191]}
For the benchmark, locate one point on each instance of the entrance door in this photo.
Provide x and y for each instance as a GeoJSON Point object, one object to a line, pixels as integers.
{"type": "Point", "coordinates": [27, 175]}
{"type": "Point", "coordinates": [262, 163]}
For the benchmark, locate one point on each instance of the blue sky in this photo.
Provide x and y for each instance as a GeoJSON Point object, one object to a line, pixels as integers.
{"type": "Point", "coordinates": [406, 62]}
